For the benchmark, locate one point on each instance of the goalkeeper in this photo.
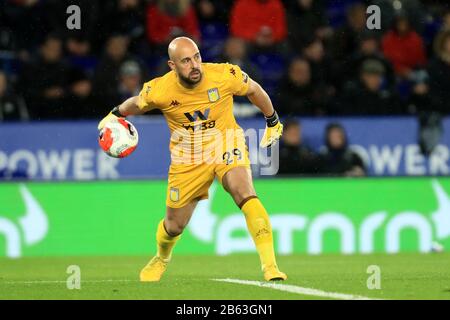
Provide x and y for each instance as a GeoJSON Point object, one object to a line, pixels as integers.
{"type": "Point", "coordinates": [197, 101]}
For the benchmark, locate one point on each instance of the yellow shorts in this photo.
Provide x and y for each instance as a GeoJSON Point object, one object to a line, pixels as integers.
{"type": "Point", "coordinates": [189, 182]}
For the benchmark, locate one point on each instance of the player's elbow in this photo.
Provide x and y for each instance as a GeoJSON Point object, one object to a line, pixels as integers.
{"type": "Point", "coordinates": [134, 100]}
{"type": "Point", "coordinates": [256, 91]}
{"type": "Point", "coordinates": [254, 88]}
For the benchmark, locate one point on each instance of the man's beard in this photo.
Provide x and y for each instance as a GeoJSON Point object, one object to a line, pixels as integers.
{"type": "Point", "coordinates": [189, 81]}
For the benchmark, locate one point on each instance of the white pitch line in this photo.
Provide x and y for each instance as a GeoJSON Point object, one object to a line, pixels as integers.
{"type": "Point", "coordinates": [275, 286]}
{"type": "Point", "coordinates": [296, 289]}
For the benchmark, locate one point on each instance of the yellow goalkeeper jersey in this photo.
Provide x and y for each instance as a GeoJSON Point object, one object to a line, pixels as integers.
{"type": "Point", "coordinates": [193, 115]}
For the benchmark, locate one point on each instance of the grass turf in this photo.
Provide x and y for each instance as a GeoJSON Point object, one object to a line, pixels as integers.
{"type": "Point", "coordinates": [403, 276]}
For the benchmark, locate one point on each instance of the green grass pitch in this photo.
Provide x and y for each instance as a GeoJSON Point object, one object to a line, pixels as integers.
{"type": "Point", "coordinates": [403, 276]}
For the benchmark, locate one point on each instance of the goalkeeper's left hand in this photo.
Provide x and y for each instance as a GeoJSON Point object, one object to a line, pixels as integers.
{"type": "Point", "coordinates": [273, 132]}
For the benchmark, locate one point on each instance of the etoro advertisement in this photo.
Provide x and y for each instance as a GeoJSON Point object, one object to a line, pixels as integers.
{"type": "Point", "coordinates": [313, 216]}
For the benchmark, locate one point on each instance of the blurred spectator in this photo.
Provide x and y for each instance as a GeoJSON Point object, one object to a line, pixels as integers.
{"type": "Point", "coordinates": [55, 12]}
{"type": "Point", "coordinates": [92, 12]}
{"type": "Point", "coordinates": [127, 17]}
{"type": "Point", "coordinates": [404, 47]}
{"type": "Point", "coordinates": [235, 52]}
{"type": "Point", "coordinates": [445, 26]}
{"type": "Point", "coordinates": [446, 20]}
{"type": "Point", "coordinates": [337, 158]}
{"type": "Point", "coordinates": [30, 21]}
{"type": "Point", "coordinates": [171, 18]}
{"type": "Point", "coordinates": [295, 156]}
{"type": "Point", "coordinates": [306, 18]}
{"type": "Point", "coordinates": [44, 81]}
{"type": "Point", "coordinates": [261, 22]}
{"type": "Point", "coordinates": [213, 10]}
{"type": "Point", "coordinates": [345, 39]}
{"type": "Point", "coordinates": [314, 52]}
{"type": "Point", "coordinates": [57, 83]}
{"type": "Point", "coordinates": [423, 104]}
{"type": "Point", "coordinates": [130, 80]}
{"type": "Point", "coordinates": [12, 106]}
{"type": "Point", "coordinates": [298, 94]}
{"type": "Point", "coordinates": [413, 9]}
{"type": "Point", "coordinates": [79, 100]}
{"type": "Point", "coordinates": [79, 54]}
{"type": "Point", "coordinates": [78, 46]}
{"type": "Point", "coordinates": [368, 48]}
{"type": "Point", "coordinates": [367, 96]}
{"type": "Point", "coordinates": [7, 39]}
{"type": "Point", "coordinates": [439, 71]}
{"type": "Point", "coordinates": [26, 21]}
{"type": "Point", "coordinates": [107, 73]}
{"type": "Point", "coordinates": [420, 99]}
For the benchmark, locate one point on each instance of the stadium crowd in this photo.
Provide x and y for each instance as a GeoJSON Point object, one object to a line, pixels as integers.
{"type": "Point", "coordinates": [314, 58]}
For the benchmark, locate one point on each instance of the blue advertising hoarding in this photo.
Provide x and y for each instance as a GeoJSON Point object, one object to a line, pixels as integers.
{"type": "Point", "coordinates": [69, 150]}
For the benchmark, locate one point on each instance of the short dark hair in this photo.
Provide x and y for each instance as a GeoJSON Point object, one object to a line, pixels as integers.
{"type": "Point", "coordinates": [51, 36]}
{"type": "Point", "coordinates": [291, 122]}
{"type": "Point", "coordinates": [332, 126]}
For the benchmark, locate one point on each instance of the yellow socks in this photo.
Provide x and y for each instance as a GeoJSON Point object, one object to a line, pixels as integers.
{"type": "Point", "coordinates": [164, 242]}
{"type": "Point", "coordinates": [260, 229]}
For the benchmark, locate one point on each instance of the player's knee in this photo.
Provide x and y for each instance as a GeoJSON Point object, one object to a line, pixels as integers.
{"type": "Point", "coordinates": [241, 193]}
{"type": "Point", "coordinates": [246, 191]}
{"type": "Point", "coordinates": [174, 228]}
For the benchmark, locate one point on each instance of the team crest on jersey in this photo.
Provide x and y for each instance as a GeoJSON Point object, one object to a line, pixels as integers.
{"type": "Point", "coordinates": [174, 194]}
{"type": "Point", "coordinates": [213, 94]}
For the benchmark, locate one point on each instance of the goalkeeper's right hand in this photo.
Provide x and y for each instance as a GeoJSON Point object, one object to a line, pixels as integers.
{"type": "Point", "coordinates": [114, 114]}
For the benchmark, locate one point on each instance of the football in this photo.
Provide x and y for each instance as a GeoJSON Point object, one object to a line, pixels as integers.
{"type": "Point", "coordinates": [118, 138]}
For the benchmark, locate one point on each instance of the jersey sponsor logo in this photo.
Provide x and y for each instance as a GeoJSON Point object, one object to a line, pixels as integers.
{"type": "Point", "coordinates": [201, 126]}
{"type": "Point", "coordinates": [197, 114]}
{"type": "Point", "coordinates": [213, 94]}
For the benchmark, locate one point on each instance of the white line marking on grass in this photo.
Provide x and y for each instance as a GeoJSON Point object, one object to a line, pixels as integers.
{"type": "Point", "coordinates": [296, 289]}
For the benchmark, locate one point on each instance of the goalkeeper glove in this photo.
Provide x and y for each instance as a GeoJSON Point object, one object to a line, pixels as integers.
{"type": "Point", "coordinates": [273, 132]}
{"type": "Point", "coordinates": [113, 115]}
